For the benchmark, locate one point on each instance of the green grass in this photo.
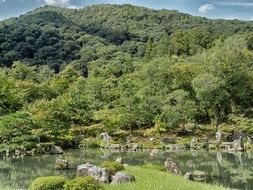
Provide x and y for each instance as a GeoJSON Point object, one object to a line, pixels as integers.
{"type": "Point", "coordinates": [148, 178]}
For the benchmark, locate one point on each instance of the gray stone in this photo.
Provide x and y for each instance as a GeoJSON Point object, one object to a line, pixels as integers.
{"type": "Point", "coordinates": [238, 144]}
{"type": "Point", "coordinates": [218, 136]}
{"type": "Point", "coordinates": [166, 140]}
{"type": "Point", "coordinates": [55, 150]}
{"type": "Point", "coordinates": [99, 174]}
{"type": "Point", "coordinates": [105, 137]}
{"type": "Point", "coordinates": [120, 177]}
{"type": "Point", "coordinates": [199, 176]}
{"type": "Point", "coordinates": [61, 164]}
{"type": "Point", "coordinates": [154, 152]}
{"type": "Point", "coordinates": [119, 160]}
{"type": "Point", "coordinates": [135, 147]}
{"type": "Point", "coordinates": [188, 176]}
{"type": "Point", "coordinates": [171, 167]}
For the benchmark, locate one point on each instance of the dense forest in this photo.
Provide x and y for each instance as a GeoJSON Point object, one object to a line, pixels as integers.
{"type": "Point", "coordinates": [68, 74]}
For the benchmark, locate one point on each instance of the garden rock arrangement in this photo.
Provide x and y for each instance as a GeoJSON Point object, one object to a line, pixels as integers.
{"type": "Point", "coordinates": [103, 175]}
{"type": "Point", "coordinates": [47, 148]}
{"type": "Point", "coordinates": [61, 164]}
{"type": "Point", "coordinates": [100, 174]}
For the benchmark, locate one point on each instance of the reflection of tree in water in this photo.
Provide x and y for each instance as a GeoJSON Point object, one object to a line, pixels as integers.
{"type": "Point", "coordinates": [226, 168]}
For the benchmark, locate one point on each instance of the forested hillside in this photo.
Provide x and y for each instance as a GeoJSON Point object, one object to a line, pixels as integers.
{"type": "Point", "coordinates": [56, 36]}
{"type": "Point", "coordinates": [69, 74]}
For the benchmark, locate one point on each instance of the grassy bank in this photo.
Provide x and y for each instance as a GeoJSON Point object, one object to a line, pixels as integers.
{"type": "Point", "coordinates": [154, 179]}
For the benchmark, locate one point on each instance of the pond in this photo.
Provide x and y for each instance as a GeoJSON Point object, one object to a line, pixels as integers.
{"type": "Point", "coordinates": [231, 169]}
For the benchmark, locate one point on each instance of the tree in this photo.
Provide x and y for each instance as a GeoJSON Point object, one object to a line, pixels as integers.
{"type": "Point", "coordinates": [211, 92]}
{"type": "Point", "coordinates": [178, 109]}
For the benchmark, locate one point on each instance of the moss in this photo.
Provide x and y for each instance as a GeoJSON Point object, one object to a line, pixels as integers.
{"type": "Point", "coordinates": [83, 183]}
{"type": "Point", "coordinates": [152, 178]}
{"type": "Point", "coordinates": [113, 167]}
{"type": "Point", "coordinates": [48, 183]}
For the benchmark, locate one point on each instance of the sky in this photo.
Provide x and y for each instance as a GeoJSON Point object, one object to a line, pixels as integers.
{"type": "Point", "coordinates": [225, 9]}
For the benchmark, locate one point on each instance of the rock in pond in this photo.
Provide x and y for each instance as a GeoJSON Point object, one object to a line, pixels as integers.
{"type": "Point", "coordinates": [55, 150]}
{"type": "Point", "coordinates": [120, 177]}
{"type": "Point", "coordinates": [61, 164]}
{"type": "Point", "coordinates": [171, 167]}
{"type": "Point", "coordinates": [99, 174]}
{"type": "Point", "coordinates": [218, 136]}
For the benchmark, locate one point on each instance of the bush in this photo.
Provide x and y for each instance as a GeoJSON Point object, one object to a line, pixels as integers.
{"type": "Point", "coordinates": [83, 183]}
{"type": "Point", "coordinates": [48, 183]}
{"type": "Point", "coordinates": [91, 142]}
{"type": "Point", "coordinates": [113, 167]}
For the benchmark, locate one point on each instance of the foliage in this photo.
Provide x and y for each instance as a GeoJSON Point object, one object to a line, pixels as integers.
{"type": "Point", "coordinates": [113, 167]}
{"type": "Point", "coordinates": [66, 76]}
{"type": "Point", "coordinates": [82, 183]}
{"type": "Point", "coordinates": [48, 183]}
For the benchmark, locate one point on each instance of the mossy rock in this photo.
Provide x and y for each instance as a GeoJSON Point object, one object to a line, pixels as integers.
{"type": "Point", "coordinates": [48, 183]}
{"type": "Point", "coordinates": [83, 183]}
{"type": "Point", "coordinates": [112, 167]}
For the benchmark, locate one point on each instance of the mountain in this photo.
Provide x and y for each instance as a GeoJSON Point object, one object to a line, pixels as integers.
{"type": "Point", "coordinates": [58, 36]}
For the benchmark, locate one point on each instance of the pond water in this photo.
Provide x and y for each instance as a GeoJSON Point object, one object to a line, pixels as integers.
{"type": "Point", "coordinates": [227, 168]}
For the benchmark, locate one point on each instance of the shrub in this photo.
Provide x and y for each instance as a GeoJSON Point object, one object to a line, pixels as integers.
{"type": "Point", "coordinates": [91, 142]}
{"type": "Point", "coordinates": [48, 183]}
{"type": "Point", "coordinates": [82, 183]}
{"type": "Point", "coordinates": [113, 167]}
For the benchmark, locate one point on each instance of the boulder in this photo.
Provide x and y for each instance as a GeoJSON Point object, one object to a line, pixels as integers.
{"type": "Point", "coordinates": [61, 164]}
{"type": "Point", "coordinates": [100, 174]}
{"type": "Point", "coordinates": [218, 136]}
{"type": "Point", "coordinates": [188, 176]}
{"type": "Point", "coordinates": [55, 150]}
{"type": "Point", "coordinates": [106, 138]}
{"type": "Point", "coordinates": [120, 177]}
{"type": "Point", "coordinates": [198, 176]}
{"type": "Point", "coordinates": [166, 140]}
{"type": "Point", "coordinates": [171, 167]}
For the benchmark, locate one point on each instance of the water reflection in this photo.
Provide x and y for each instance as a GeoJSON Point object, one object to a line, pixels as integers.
{"type": "Point", "coordinates": [231, 169]}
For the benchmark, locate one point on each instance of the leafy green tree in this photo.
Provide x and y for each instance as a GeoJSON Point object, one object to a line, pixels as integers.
{"type": "Point", "coordinates": [178, 109]}
{"type": "Point", "coordinates": [211, 92]}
